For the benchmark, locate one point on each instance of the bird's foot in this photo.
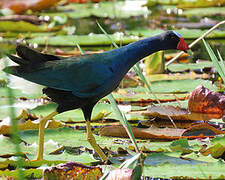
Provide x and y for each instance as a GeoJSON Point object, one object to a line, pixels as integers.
{"type": "Point", "coordinates": [92, 141]}
{"type": "Point", "coordinates": [42, 124]}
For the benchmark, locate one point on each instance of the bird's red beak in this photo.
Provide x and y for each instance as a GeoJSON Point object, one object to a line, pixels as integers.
{"type": "Point", "coordinates": [182, 45]}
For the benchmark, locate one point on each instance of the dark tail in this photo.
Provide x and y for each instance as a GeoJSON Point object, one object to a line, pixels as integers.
{"type": "Point", "coordinates": [28, 59]}
{"type": "Point", "coordinates": [28, 56]}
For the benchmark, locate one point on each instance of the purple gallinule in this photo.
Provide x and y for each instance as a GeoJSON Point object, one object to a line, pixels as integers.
{"type": "Point", "coordinates": [81, 81]}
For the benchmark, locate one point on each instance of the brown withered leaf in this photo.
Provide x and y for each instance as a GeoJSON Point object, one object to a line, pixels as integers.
{"type": "Point", "coordinates": [25, 115]}
{"type": "Point", "coordinates": [183, 57]}
{"type": "Point", "coordinates": [20, 6]}
{"type": "Point", "coordinates": [72, 170]}
{"type": "Point", "coordinates": [202, 130]}
{"type": "Point", "coordinates": [203, 100]}
{"type": "Point", "coordinates": [143, 133]}
{"type": "Point", "coordinates": [176, 113]}
{"type": "Point", "coordinates": [29, 125]}
{"type": "Point", "coordinates": [28, 18]}
{"type": "Point", "coordinates": [161, 123]}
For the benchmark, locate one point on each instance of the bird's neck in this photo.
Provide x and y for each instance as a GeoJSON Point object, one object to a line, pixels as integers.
{"type": "Point", "coordinates": [132, 53]}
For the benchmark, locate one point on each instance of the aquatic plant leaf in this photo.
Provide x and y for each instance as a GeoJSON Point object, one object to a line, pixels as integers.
{"type": "Point", "coordinates": [211, 11]}
{"type": "Point", "coordinates": [203, 130]}
{"type": "Point", "coordinates": [23, 155]}
{"type": "Point", "coordinates": [72, 170]}
{"type": "Point", "coordinates": [20, 26]}
{"type": "Point", "coordinates": [177, 76]}
{"type": "Point", "coordinates": [83, 40]}
{"type": "Point", "coordinates": [201, 4]}
{"type": "Point", "coordinates": [165, 91]}
{"type": "Point", "coordinates": [181, 145]}
{"type": "Point", "coordinates": [27, 18]}
{"type": "Point", "coordinates": [152, 132]}
{"type": "Point", "coordinates": [100, 111]}
{"type": "Point", "coordinates": [177, 113]}
{"type": "Point", "coordinates": [186, 33]}
{"type": "Point", "coordinates": [144, 98]}
{"type": "Point", "coordinates": [155, 63]}
{"type": "Point", "coordinates": [176, 67]}
{"type": "Point", "coordinates": [217, 151]}
{"type": "Point", "coordinates": [118, 9]}
{"type": "Point", "coordinates": [29, 125]}
{"type": "Point", "coordinates": [18, 7]}
{"type": "Point", "coordinates": [186, 85]}
{"type": "Point", "coordinates": [71, 150]}
{"type": "Point", "coordinates": [34, 173]}
{"type": "Point", "coordinates": [203, 100]}
{"type": "Point", "coordinates": [186, 171]}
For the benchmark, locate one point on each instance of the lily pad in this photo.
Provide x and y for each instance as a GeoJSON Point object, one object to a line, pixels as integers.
{"type": "Point", "coordinates": [177, 67]}
{"type": "Point", "coordinates": [204, 171]}
{"type": "Point", "coordinates": [163, 158]}
{"type": "Point", "coordinates": [186, 33]}
{"type": "Point", "coordinates": [202, 11]}
{"type": "Point", "coordinates": [83, 40]}
{"type": "Point", "coordinates": [118, 9]}
{"type": "Point", "coordinates": [20, 26]}
{"type": "Point", "coordinates": [174, 86]}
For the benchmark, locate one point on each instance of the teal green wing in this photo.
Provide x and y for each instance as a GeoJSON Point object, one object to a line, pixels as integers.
{"type": "Point", "coordinates": [84, 76]}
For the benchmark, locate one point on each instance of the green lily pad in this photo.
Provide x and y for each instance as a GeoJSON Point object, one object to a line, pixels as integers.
{"type": "Point", "coordinates": [20, 26]}
{"type": "Point", "coordinates": [202, 11]}
{"type": "Point", "coordinates": [219, 139]}
{"type": "Point", "coordinates": [176, 67]}
{"type": "Point", "coordinates": [74, 115]}
{"type": "Point", "coordinates": [181, 85]}
{"type": "Point", "coordinates": [177, 76]}
{"type": "Point", "coordinates": [175, 86]}
{"type": "Point", "coordinates": [83, 40]}
{"type": "Point", "coordinates": [118, 9]}
{"type": "Point", "coordinates": [161, 158]}
{"type": "Point", "coordinates": [164, 90]}
{"type": "Point", "coordinates": [186, 33]}
{"type": "Point", "coordinates": [204, 171]}
{"type": "Point", "coordinates": [147, 96]}
{"type": "Point", "coordinates": [35, 173]}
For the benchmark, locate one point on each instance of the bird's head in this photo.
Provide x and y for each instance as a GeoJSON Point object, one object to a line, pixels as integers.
{"type": "Point", "coordinates": [176, 40]}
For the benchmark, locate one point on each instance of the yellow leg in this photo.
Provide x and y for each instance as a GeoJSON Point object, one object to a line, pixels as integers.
{"type": "Point", "coordinates": [92, 141]}
{"type": "Point", "coordinates": [41, 135]}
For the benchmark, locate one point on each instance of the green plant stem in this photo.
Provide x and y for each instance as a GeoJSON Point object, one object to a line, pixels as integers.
{"type": "Point", "coordinates": [123, 121]}
{"type": "Point", "coordinates": [219, 67]}
{"type": "Point", "coordinates": [195, 42]}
